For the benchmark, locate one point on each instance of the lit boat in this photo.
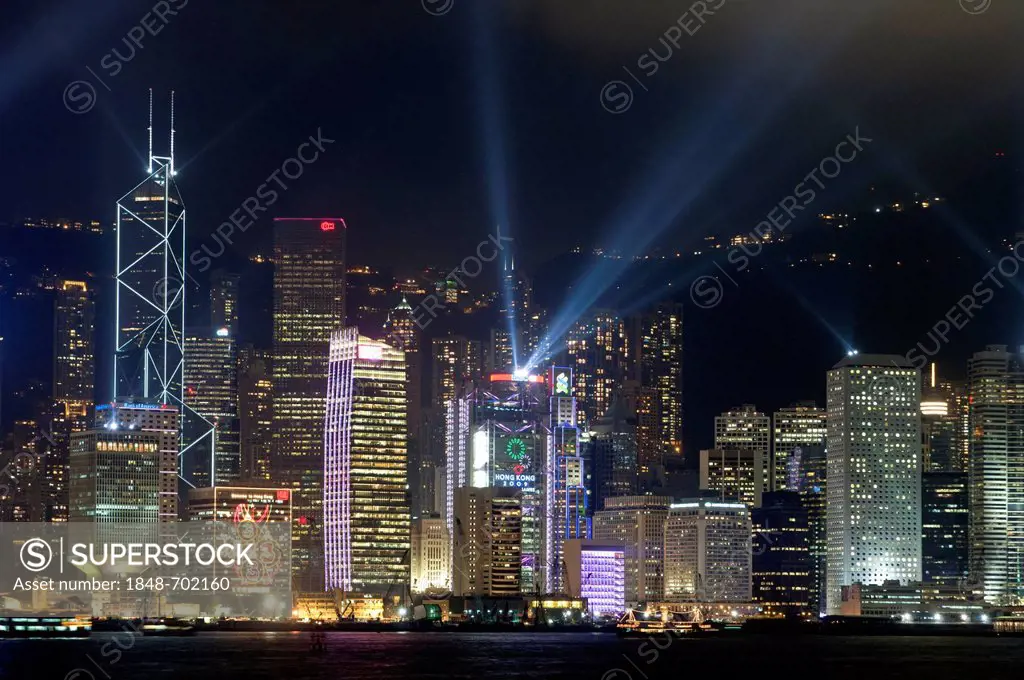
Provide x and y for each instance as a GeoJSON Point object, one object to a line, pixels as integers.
{"type": "Point", "coordinates": [634, 623]}
{"type": "Point", "coordinates": [167, 627]}
{"type": "Point", "coordinates": [44, 626]}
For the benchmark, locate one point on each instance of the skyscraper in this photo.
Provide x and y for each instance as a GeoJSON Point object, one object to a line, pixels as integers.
{"type": "Point", "coordinates": [945, 524]}
{"type": "Point", "coordinates": [514, 342]}
{"type": "Point", "coordinates": [707, 552]}
{"type": "Point", "coordinates": [614, 454]}
{"type": "Point", "coordinates": [211, 392]}
{"type": "Point", "coordinates": [455, 366]}
{"type": "Point", "coordinates": [783, 579]}
{"type": "Point", "coordinates": [124, 469]}
{"type": "Point", "coordinates": [808, 476]}
{"type": "Point", "coordinates": [149, 356]}
{"type": "Point", "coordinates": [743, 428]}
{"type": "Point", "coordinates": [800, 425]}
{"type": "Point", "coordinates": [941, 426]}
{"type": "Point", "coordinates": [366, 473]}
{"type": "Point", "coordinates": [255, 408]}
{"type": "Point", "coordinates": [567, 507]}
{"type": "Point", "coordinates": [74, 361]}
{"type": "Point", "coordinates": [309, 304]}
{"type": "Point", "coordinates": [874, 473]}
{"type": "Point", "coordinates": [644, 403]}
{"type": "Point", "coordinates": [74, 374]}
{"type": "Point", "coordinates": [738, 475]}
{"type": "Point", "coordinates": [429, 553]}
{"type": "Point", "coordinates": [401, 332]}
{"type": "Point", "coordinates": [498, 436]}
{"type": "Point", "coordinates": [597, 571]}
{"type": "Point", "coordinates": [996, 473]}
{"type": "Point", "coordinates": [658, 358]}
{"type": "Point", "coordinates": [455, 360]}
{"type": "Point", "coordinates": [224, 301]}
{"type": "Point", "coordinates": [598, 351]}
{"type": "Point", "coordinates": [487, 542]}
{"type": "Point", "coordinates": [638, 523]}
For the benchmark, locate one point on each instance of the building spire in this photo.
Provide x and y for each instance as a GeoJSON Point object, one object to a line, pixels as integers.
{"type": "Point", "coordinates": [172, 133]}
{"type": "Point", "coordinates": [150, 129]}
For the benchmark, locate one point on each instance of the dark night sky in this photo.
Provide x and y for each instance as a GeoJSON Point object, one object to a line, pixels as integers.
{"type": "Point", "coordinates": [447, 124]}
{"type": "Point", "coordinates": [746, 106]}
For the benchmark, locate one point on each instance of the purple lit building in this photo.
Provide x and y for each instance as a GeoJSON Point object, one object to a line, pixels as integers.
{"type": "Point", "coordinates": [596, 571]}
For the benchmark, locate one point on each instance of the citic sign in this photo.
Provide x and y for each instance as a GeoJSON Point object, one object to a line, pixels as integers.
{"type": "Point", "coordinates": [327, 226]}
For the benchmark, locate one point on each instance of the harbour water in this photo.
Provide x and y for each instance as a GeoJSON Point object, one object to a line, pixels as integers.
{"type": "Point", "coordinates": [494, 656]}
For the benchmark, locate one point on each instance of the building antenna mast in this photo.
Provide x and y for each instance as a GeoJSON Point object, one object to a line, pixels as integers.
{"type": "Point", "coordinates": [150, 171]}
{"type": "Point", "coordinates": [172, 133]}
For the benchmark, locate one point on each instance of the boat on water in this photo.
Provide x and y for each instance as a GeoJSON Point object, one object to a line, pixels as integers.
{"type": "Point", "coordinates": [44, 626]}
{"type": "Point", "coordinates": [641, 624]}
{"type": "Point", "coordinates": [166, 627]}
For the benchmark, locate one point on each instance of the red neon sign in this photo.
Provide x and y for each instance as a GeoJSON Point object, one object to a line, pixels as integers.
{"type": "Point", "coordinates": [327, 226]}
{"type": "Point", "coordinates": [246, 512]}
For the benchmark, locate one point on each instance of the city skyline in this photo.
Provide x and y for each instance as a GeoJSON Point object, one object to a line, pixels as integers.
{"type": "Point", "coordinates": [327, 325]}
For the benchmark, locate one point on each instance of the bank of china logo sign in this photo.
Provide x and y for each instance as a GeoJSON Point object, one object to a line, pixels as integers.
{"type": "Point", "coordinates": [36, 555]}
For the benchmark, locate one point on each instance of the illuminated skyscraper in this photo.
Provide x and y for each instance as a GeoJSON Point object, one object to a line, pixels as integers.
{"type": "Point", "coordinates": [644, 403]}
{"type": "Point", "coordinates": [707, 552]}
{"type": "Point", "coordinates": [309, 304]}
{"type": "Point", "coordinates": [500, 357]}
{"type": "Point", "coordinates": [366, 473]}
{"type": "Point", "coordinates": [149, 357]}
{"type": "Point", "coordinates": [74, 374]}
{"type": "Point", "coordinates": [798, 426]}
{"type": "Point", "coordinates": [150, 278]}
{"type": "Point", "coordinates": [941, 426]}
{"type": "Point", "coordinates": [455, 363]}
{"type": "Point", "coordinates": [255, 407]}
{"type": "Point", "coordinates": [658, 358]}
{"type": "Point", "coordinates": [808, 468]}
{"type": "Point", "coordinates": [224, 301]}
{"type": "Point", "coordinates": [487, 542]}
{"type": "Point", "coordinates": [996, 473]}
{"type": "Point", "coordinates": [597, 571]}
{"type": "Point", "coordinates": [429, 554]}
{"type": "Point", "coordinates": [401, 327]}
{"type": "Point", "coordinates": [456, 360]}
{"type": "Point", "coordinates": [211, 392]}
{"type": "Point", "coordinates": [638, 523]}
{"type": "Point", "coordinates": [738, 475]}
{"type": "Point", "coordinates": [402, 333]}
{"type": "Point", "coordinates": [743, 428]}
{"type": "Point", "coordinates": [567, 507]}
{"type": "Point", "coordinates": [498, 436]}
{"type": "Point", "coordinates": [124, 469]}
{"type": "Point", "coordinates": [874, 473]}
{"type": "Point", "coordinates": [598, 352]}
{"type": "Point", "coordinates": [74, 362]}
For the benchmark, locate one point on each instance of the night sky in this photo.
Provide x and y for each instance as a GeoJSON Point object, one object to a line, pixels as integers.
{"type": "Point", "coordinates": [450, 117]}
{"type": "Point", "coordinates": [445, 124]}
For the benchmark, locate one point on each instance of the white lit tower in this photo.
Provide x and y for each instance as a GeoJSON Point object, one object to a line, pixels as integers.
{"type": "Point", "coordinates": [149, 357]}
{"type": "Point", "coordinates": [567, 488]}
{"type": "Point", "coordinates": [874, 473]}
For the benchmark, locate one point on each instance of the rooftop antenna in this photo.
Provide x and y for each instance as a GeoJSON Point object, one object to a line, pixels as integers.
{"type": "Point", "coordinates": [150, 171]}
{"type": "Point", "coordinates": [172, 133]}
